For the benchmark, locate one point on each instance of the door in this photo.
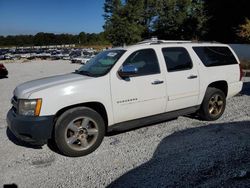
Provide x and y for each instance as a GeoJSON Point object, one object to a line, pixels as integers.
{"type": "Point", "coordinates": [143, 94]}
{"type": "Point", "coordinates": [182, 79]}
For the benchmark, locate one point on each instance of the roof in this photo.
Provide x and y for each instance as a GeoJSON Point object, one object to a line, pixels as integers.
{"type": "Point", "coordinates": [166, 43]}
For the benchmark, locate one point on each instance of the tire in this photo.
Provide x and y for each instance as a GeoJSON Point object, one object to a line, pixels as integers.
{"type": "Point", "coordinates": [79, 131]}
{"type": "Point", "coordinates": [213, 105]}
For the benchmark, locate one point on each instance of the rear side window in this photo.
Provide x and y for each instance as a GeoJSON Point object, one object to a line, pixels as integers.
{"type": "Point", "coordinates": [177, 59]}
{"type": "Point", "coordinates": [215, 56]}
{"type": "Point", "coordinates": [145, 61]}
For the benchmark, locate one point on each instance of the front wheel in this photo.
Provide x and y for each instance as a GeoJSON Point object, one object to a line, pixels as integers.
{"type": "Point", "coordinates": [79, 131]}
{"type": "Point", "coordinates": [213, 104]}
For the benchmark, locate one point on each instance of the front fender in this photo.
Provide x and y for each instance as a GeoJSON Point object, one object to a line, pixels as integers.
{"type": "Point", "coordinates": [58, 97]}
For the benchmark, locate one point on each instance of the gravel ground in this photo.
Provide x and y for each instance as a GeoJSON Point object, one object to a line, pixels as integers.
{"type": "Point", "coordinates": [184, 152]}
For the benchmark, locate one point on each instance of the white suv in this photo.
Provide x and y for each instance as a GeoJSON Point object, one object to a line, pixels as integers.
{"type": "Point", "coordinates": [123, 88]}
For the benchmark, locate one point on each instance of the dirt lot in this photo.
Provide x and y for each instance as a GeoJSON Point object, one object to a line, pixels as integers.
{"type": "Point", "coordinates": [179, 153]}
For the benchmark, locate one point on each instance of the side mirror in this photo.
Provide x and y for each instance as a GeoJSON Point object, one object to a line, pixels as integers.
{"type": "Point", "coordinates": [128, 71]}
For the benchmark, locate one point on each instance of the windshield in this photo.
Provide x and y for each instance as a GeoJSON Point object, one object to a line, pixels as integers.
{"type": "Point", "coordinates": [101, 63]}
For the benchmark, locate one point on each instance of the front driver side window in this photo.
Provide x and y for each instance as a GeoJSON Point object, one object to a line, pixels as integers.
{"type": "Point", "coordinates": [145, 61]}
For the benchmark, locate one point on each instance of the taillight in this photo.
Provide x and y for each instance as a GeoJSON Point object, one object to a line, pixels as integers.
{"type": "Point", "coordinates": [241, 73]}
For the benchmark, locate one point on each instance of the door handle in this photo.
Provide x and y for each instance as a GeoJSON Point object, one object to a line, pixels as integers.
{"type": "Point", "coordinates": [192, 76]}
{"type": "Point", "coordinates": [157, 82]}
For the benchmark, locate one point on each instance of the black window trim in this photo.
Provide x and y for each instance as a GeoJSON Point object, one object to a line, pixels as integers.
{"type": "Point", "coordinates": [156, 59]}
{"type": "Point", "coordinates": [218, 65]}
{"type": "Point", "coordinates": [192, 64]}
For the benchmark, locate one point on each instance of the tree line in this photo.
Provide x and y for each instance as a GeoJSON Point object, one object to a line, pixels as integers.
{"type": "Point", "coordinates": [45, 39]}
{"type": "Point", "coordinates": [130, 21]}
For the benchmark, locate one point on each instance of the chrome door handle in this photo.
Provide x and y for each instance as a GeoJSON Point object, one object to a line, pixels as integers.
{"type": "Point", "coordinates": [157, 82]}
{"type": "Point", "coordinates": [192, 76]}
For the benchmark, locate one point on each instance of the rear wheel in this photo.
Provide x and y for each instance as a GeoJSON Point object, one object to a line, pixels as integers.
{"type": "Point", "coordinates": [79, 131]}
{"type": "Point", "coordinates": [213, 104]}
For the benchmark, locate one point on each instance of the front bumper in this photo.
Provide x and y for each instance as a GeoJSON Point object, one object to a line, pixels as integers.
{"type": "Point", "coordinates": [35, 130]}
{"type": "Point", "coordinates": [234, 88]}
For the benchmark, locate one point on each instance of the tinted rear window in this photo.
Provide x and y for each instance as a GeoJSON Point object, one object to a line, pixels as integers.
{"type": "Point", "coordinates": [177, 59]}
{"type": "Point", "coordinates": [215, 56]}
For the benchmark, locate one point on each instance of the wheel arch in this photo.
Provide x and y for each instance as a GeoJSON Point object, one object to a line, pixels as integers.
{"type": "Point", "coordinates": [221, 85]}
{"type": "Point", "coordinates": [97, 106]}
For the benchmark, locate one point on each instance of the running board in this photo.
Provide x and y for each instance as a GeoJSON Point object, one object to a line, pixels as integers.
{"type": "Point", "coordinates": [132, 124]}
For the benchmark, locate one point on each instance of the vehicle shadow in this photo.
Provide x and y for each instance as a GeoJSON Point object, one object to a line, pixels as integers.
{"type": "Point", "coordinates": [245, 89]}
{"type": "Point", "coordinates": [18, 142]}
{"type": "Point", "coordinates": [211, 156]}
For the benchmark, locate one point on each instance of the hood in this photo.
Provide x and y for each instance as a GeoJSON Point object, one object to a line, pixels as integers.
{"type": "Point", "coordinates": [26, 89]}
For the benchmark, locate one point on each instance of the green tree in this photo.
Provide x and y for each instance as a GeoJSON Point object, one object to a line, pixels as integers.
{"type": "Point", "coordinates": [123, 22]}
{"type": "Point", "coordinates": [43, 39]}
{"type": "Point", "coordinates": [149, 16]}
{"type": "Point", "coordinates": [244, 31]}
{"type": "Point", "coordinates": [130, 21]}
{"type": "Point", "coordinates": [113, 21]}
{"type": "Point", "coordinates": [83, 38]}
{"type": "Point", "coordinates": [224, 18]}
{"type": "Point", "coordinates": [180, 19]}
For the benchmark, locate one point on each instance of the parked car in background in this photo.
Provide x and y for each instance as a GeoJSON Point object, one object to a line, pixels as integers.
{"type": "Point", "coordinates": [80, 60]}
{"type": "Point", "coordinates": [3, 71]}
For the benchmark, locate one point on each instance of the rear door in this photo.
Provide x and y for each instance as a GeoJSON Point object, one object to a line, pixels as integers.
{"type": "Point", "coordinates": [182, 79]}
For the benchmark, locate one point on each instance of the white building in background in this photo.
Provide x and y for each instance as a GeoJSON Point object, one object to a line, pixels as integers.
{"type": "Point", "coordinates": [242, 50]}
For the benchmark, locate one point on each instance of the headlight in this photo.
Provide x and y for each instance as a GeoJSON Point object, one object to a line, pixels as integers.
{"type": "Point", "coordinates": [29, 107]}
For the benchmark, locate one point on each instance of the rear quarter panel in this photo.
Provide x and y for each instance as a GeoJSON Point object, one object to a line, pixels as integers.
{"type": "Point", "coordinates": [208, 75]}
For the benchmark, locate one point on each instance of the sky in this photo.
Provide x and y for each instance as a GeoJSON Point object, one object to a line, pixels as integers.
{"type": "Point", "coordinates": [54, 16]}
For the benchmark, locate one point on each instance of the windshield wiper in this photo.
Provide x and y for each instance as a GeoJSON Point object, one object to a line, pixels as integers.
{"type": "Point", "coordinates": [82, 72]}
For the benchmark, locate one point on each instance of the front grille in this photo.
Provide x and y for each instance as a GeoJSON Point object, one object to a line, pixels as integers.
{"type": "Point", "coordinates": [14, 102]}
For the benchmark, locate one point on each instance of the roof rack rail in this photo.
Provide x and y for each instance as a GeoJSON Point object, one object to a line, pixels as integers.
{"type": "Point", "coordinates": [154, 40]}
